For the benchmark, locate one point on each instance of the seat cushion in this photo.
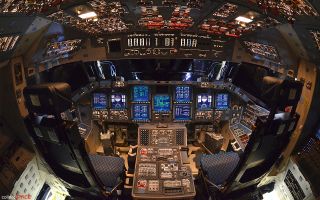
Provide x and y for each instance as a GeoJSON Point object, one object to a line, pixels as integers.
{"type": "Point", "coordinates": [109, 169]}
{"type": "Point", "coordinates": [218, 167]}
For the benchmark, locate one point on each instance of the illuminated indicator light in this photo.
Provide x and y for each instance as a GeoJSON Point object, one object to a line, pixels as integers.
{"type": "Point", "coordinates": [87, 15]}
{"type": "Point", "coordinates": [243, 19]}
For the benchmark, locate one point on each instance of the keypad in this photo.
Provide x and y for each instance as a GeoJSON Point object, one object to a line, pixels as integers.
{"type": "Point", "coordinates": [144, 137]}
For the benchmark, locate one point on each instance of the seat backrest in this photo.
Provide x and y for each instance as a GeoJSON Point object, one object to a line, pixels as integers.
{"type": "Point", "coordinates": [218, 167]}
{"type": "Point", "coordinates": [110, 170]}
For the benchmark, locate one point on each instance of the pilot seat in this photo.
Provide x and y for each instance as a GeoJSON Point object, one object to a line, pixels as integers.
{"type": "Point", "coordinates": [61, 146]}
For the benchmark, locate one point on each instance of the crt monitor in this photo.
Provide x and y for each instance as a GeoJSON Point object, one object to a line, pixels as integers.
{"type": "Point", "coordinates": [99, 101]}
{"type": "Point", "coordinates": [204, 101]}
{"type": "Point", "coordinates": [183, 94]}
{"type": "Point", "coordinates": [140, 112]}
{"type": "Point", "coordinates": [182, 112]}
{"type": "Point", "coordinates": [222, 101]}
{"type": "Point", "coordinates": [118, 101]}
{"type": "Point", "coordinates": [161, 103]}
{"type": "Point", "coordinates": [140, 93]}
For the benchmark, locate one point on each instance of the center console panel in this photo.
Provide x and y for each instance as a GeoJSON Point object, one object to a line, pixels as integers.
{"type": "Point", "coordinates": [118, 115]}
{"type": "Point", "coordinates": [162, 117]}
{"type": "Point", "coordinates": [160, 172]}
{"type": "Point", "coordinates": [99, 114]}
{"type": "Point", "coordinates": [206, 115]}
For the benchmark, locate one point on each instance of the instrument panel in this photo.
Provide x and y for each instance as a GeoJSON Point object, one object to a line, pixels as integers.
{"type": "Point", "coordinates": [163, 136]}
{"type": "Point", "coordinates": [149, 101]}
{"type": "Point", "coordinates": [155, 44]}
{"type": "Point", "coordinates": [160, 171]}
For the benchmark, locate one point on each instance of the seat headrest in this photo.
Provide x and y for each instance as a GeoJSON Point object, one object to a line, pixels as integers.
{"type": "Point", "coordinates": [48, 98]}
{"type": "Point", "coordinates": [283, 92]}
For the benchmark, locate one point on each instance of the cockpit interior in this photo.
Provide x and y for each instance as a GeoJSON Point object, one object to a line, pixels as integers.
{"type": "Point", "coordinates": [160, 99]}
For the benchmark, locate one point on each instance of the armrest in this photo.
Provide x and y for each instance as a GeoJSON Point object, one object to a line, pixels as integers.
{"type": "Point", "coordinates": [184, 157]}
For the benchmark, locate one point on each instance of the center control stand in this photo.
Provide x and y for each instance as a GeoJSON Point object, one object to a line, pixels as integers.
{"type": "Point", "coordinates": [160, 172]}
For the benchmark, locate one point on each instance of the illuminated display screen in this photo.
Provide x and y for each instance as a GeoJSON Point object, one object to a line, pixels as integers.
{"type": "Point", "coordinates": [140, 93]}
{"type": "Point", "coordinates": [161, 103]}
{"type": "Point", "coordinates": [204, 101]}
{"type": "Point", "coordinates": [118, 101]}
{"type": "Point", "coordinates": [183, 94]}
{"type": "Point", "coordinates": [318, 134]}
{"type": "Point", "coordinates": [99, 101]}
{"type": "Point", "coordinates": [182, 112]}
{"type": "Point", "coordinates": [222, 101]}
{"type": "Point", "coordinates": [140, 112]}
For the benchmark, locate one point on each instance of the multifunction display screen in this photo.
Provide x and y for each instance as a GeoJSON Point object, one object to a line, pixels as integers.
{"type": "Point", "coordinates": [182, 112]}
{"type": "Point", "coordinates": [99, 101]}
{"type": "Point", "coordinates": [118, 101]}
{"type": "Point", "coordinates": [161, 103]}
{"type": "Point", "coordinates": [183, 94]}
{"type": "Point", "coordinates": [204, 101]}
{"type": "Point", "coordinates": [140, 112]}
{"type": "Point", "coordinates": [222, 101]}
{"type": "Point", "coordinates": [140, 93]}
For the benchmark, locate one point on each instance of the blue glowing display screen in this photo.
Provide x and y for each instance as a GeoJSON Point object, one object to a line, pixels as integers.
{"type": "Point", "coordinates": [118, 101]}
{"type": "Point", "coordinates": [183, 94]}
{"type": "Point", "coordinates": [140, 93]}
{"type": "Point", "coordinates": [222, 101]}
{"type": "Point", "coordinates": [161, 103]}
{"type": "Point", "coordinates": [204, 101]}
{"type": "Point", "coordinates": [182, 112]}
{"type": "Point", "coordinates": [318, 134]}
{"type": "Point", "coordinates": [99, 101]}
{"type": "Point", "coordinates": [140, 112]}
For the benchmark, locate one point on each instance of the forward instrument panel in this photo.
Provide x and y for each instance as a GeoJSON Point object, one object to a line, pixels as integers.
{"type": "Point", "coordinates": [202, 106]}
{"type": "Point", "coordinates": [165, 102]}
{"type": "Point", "coordinates": [167, 115]}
